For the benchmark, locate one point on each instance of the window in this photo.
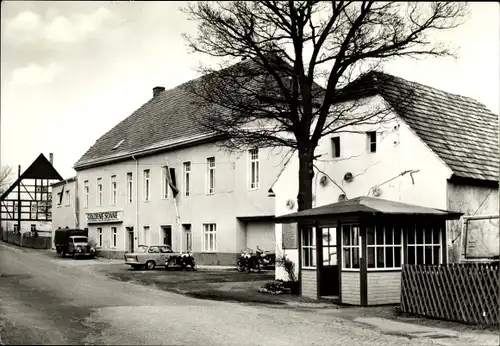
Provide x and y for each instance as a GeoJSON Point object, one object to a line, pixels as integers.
{"type": "Point", "coordinates": [86, 194]}
{"type": "Point", "coordinates": [308, 247]}
{"type": "Point", "coordinates": [167, 235]}
{"type": "Point", "coordinates": [118, 144]}
{"type": "Point", "coordinates": [209, 237]}
{"type": "Point", "coordinates": [129, 188]}
{"type": "Point", "coordinates": [424, 245]}
{"type": "Point", "coordinates": [210, 175]}
{"type": "Point", "coordinates": [146, 187]}
{"type": "Point", "coordinates": [59, 198]}
{"type": "Point", "coordinates": [254, 168]}
{"type": "Point", "coordinates": [188, 237]}
{"type": "Point", "coordinates": [68, 197]}
{"type": "Point", "coordinates": [350, 246]}
{"type": "Point", "coordinates": [164, 184]}
{"type": "Point", "coordinates": [187, 178]}
{"type": "Point", "coordinates": [329, 246]}
{"type": "Point", "coordinates": [99, 237]}
{"type": "Point", "coordinates": [113, 190]}
{"type": "Point", "coordinates": [166, 249]}
{"type": "Point", "coordinates": [99, 191]}
{"type": "Point", "coordinates": [113, 236]}
{"type": "Point", "coordinates": [146, 235]}
{"type": "Point", "coordinates": [335, 146]}
{"type": "Point", "coordinates": [154, 249]}
{"type": "Point", "coordinates": [384, 247]}
{"type": "Point", "coordinates": [372, 141]}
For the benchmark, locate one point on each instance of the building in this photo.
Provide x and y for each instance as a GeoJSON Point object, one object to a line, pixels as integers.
{"type": "Point", "coordinates": [65, 205]}
{"type": "Point", "coordinates": [26, 205]}
{"type": "Point", "coordinates": [377, 236]}
{"type": "Point", "coordinates": [438, 151]}
{"type": "Point", "coordinates": [157, 178]}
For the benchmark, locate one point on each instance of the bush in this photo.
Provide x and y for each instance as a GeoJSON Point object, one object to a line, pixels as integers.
{"type": "Point", "coordinates": [283, 261]}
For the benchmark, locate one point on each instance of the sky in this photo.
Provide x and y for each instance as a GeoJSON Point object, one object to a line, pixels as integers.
{"type": "Point", "coordinates": [70, 71]}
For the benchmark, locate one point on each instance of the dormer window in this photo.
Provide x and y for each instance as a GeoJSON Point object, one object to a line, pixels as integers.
{"type": "Point", "coordinates": [119, 143]}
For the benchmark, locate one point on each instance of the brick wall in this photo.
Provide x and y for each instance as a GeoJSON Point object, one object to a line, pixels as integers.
{"type": "Point", "coordinates": [350, 288]}
{"type": "Point", "coordinates": [384, 287]}
{"type": "Point", "coordinates": [309, 283]}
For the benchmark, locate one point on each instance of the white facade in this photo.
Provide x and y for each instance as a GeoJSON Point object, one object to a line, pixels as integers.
{"type": "Point", "coordinates": [220, 209]}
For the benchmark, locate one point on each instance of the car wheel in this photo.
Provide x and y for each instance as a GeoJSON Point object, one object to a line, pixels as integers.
{"type": "Point", "coordinates": [150, 265]}
{"type": "Point", "coordinates": [239, 266]}
{"type": "Point", "coordinates": [61, 254]}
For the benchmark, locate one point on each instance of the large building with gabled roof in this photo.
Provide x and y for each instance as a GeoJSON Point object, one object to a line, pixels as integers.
{"type": "Point", "coordinates": [157, 178]}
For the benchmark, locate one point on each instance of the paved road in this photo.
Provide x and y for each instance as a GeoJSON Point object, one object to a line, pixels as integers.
{"type": "Point", "coordinates": [51, 301]}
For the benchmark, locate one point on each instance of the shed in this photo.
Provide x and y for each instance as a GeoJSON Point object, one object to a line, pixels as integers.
{"type": "Point", "coordinates": [364, 242]}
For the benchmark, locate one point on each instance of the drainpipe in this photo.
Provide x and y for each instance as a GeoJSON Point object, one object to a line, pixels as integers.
{"type": "Point", "coordinates": [136, 198]}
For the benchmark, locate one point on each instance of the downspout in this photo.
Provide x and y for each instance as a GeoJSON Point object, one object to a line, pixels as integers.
{"type": "Point", "coordinates": [136, 197]}
{"type": "Point", "coordinates": [77, 205]}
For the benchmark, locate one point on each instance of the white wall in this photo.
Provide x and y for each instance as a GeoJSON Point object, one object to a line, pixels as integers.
{"type": "Point", "coordinates": [232, 197]}
{"type": "Point", "coordinates": [260, 233]}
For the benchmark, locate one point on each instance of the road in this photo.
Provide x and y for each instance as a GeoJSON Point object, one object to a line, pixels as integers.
{"type": "Point", "coordinates": [48, 300]}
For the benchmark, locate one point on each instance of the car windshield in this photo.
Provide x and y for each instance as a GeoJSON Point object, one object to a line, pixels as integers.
{"type": "Point", "coordinates": [80, 240]}
{"type": "Point", "coordinates": [141, 249]}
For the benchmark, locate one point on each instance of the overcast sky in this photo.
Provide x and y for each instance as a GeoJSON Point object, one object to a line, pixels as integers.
{"type": "Point", "coordinates": [70, 71]}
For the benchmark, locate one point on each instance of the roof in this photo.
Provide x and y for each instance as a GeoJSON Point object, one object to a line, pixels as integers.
{"type": "Point", "coordinates": [65, 181]}
{"type": "Point", "coordinates": [41, 168]}
{"type": "Point", "coordinates": [366, 205]}
{"type": "Point", "coordinates": [164, 122]}
{"type": "Point", "coordinates": [460, 130]}
{"type": "Point", "coordinates": [164, 118]}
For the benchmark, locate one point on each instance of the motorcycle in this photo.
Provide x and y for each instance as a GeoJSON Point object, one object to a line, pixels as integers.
{"type": "Point", "coordinates": [266, 258]}
{"type": "Point", "coordinates": [248, 261]}
{"type": "Point", "coordinates": [184, 260]}
{"type": "Point", "coordinates": [187, 259]}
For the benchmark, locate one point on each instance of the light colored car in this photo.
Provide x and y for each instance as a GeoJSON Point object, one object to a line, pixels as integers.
{"type": "Point", "coordinates": [150, 256]}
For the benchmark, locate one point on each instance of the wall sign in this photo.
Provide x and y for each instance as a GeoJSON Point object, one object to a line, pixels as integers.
{"type": "Point", "coordinates": [289, 234]}
{"type": "Point", "coordinates": [105, 217]}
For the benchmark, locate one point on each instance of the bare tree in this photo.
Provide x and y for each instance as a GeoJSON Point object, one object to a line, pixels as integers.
{"type": "Point", "coordinates": [5, 178]}
{"type": "Point", "coordinates": [269, 98]}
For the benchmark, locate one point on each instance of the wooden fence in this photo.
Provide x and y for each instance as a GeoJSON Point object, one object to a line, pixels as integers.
{"type": "Point", "coordinates": [466, 293]}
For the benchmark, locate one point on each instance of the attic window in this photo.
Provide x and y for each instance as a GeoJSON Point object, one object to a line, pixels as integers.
{"type": "Point", "coordinates": [119, 143]}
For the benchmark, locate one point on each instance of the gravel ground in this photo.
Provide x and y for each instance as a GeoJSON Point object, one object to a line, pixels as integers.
{"type": "Point", "coordinates": [50, 301]}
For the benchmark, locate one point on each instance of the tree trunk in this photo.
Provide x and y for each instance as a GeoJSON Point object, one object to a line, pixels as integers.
{"type": "Point", "coordinates": [306, 174]}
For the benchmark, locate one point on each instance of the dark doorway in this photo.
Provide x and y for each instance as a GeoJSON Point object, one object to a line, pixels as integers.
{"type": "Point", "coordinates": [130, 238]}
{"type": "Point", "coordinates": [329, 269]}
{"type": "Point", "coordinates": [167, 235]}
{"type": "Point", "coordinates": [188, 238]}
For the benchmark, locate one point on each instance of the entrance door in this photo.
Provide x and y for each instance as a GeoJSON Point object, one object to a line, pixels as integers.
{"type": "Point", "coordinates": [167, 235]}
{"type": "Point", "coordinates": [329, 269]}
{"type": "Point", "coordinates": [188, 239]}
{"type": "Point", "coordinates": [130, 238]}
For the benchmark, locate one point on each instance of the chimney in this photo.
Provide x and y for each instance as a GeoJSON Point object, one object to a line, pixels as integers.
{"type": "Point", "coordinates": [157, 90]}
{"type": "Point", "coordinates": [51, 158]}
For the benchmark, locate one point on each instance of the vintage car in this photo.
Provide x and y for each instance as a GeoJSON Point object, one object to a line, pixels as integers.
{"type": "Point", "coordinates": [150, 256]}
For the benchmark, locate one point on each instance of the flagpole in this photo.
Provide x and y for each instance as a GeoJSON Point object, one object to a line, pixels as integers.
{"type": "Point", "coordinates": [178, 218]}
